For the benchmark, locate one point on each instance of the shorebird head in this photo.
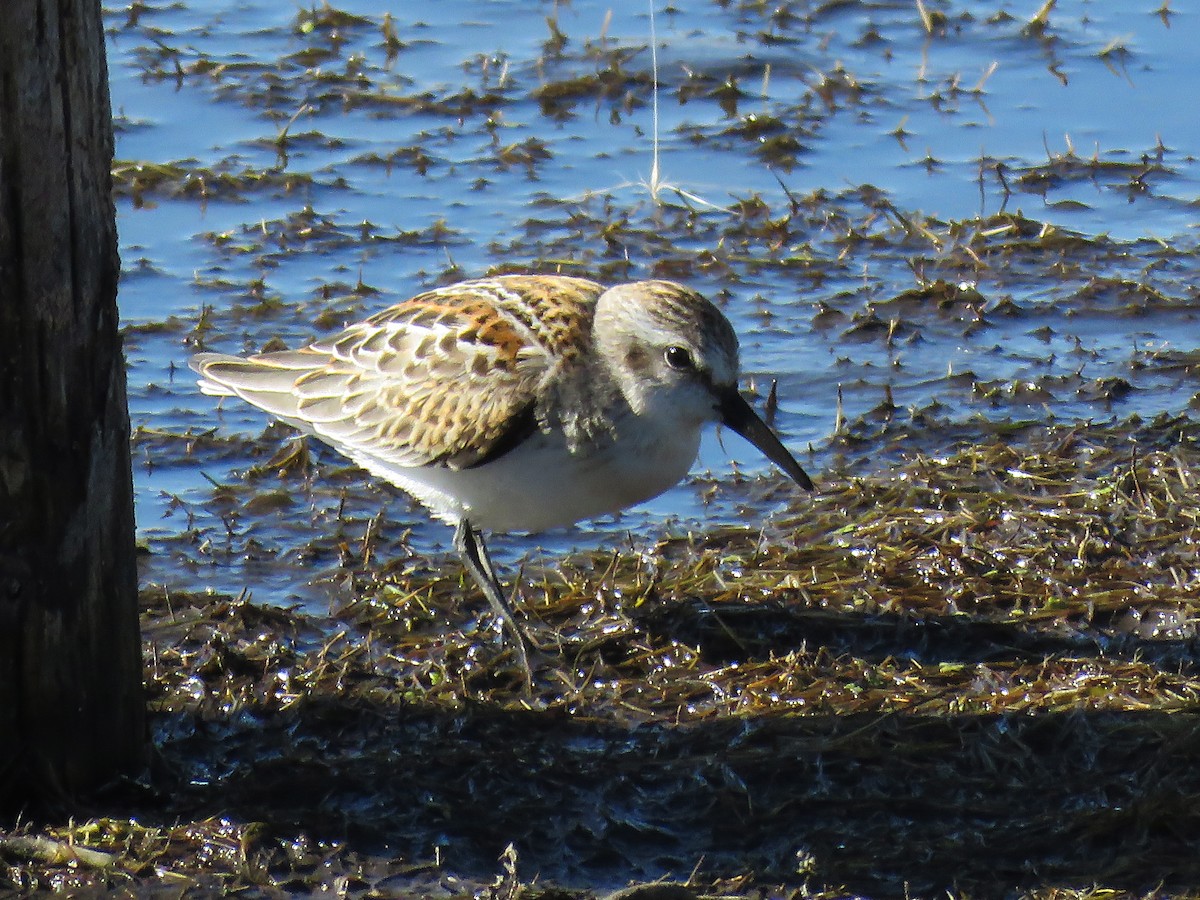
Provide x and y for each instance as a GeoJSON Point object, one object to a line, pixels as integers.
{"type": "Point", "coordinates": [674, 357]}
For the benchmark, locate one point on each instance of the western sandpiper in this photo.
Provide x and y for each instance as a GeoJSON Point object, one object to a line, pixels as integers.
{"type": "Point", "coordinates": [515, 403]}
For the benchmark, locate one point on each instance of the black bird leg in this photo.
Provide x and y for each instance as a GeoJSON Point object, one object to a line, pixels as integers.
{"type": "Point", "coordinates": [468, 541]}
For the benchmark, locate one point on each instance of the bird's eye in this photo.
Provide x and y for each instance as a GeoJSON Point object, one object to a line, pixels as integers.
{"type": "Point", "coordinates": [678, 359]}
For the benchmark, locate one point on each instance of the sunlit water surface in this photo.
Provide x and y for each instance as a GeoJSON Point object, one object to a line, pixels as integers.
{"type": "Point", "coordinates": [410, 180]}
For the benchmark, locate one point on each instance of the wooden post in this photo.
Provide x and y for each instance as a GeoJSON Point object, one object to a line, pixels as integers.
{"type": "Point", "coordinates": [71, 701]}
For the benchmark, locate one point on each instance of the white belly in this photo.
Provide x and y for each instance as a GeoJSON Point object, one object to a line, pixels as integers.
{"type": "Point", "coordinates": [540, 485]}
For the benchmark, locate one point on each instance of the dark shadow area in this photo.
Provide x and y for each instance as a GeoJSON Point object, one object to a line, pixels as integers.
{"type": "Point", "coordinates": [728, 633]}
{"type": "Point", "coordinates": [979, 804]}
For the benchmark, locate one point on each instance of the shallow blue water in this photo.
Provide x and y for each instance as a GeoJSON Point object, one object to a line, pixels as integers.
{"type": "Point", "coordinates": [248, 69]}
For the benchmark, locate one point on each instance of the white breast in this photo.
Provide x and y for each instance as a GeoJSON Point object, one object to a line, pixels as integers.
{"type": "Point", "coordinates": [541, 485]}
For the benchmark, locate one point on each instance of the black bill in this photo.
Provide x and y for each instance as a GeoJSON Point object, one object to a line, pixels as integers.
{"type": "Point", "coordinates": [737, 414]}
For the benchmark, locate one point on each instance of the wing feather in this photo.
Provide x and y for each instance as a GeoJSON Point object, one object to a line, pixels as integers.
{"type": "Point", "coordinates": [451, 376]}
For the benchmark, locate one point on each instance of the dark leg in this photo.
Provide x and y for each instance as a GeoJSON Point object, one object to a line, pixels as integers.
{"type": "Point", "coordinates": [473, 552]}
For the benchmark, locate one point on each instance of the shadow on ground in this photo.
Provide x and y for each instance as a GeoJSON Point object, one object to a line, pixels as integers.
{"type": "Point", "coordinates": [879, 803]}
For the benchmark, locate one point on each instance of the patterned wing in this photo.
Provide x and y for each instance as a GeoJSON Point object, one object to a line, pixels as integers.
{"type": "Point", "coordinates": [450, 376]}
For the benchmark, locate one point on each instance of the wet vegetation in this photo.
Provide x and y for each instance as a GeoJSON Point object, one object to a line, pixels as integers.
{"type": "Point", "coordinates": [976, 670]}
{"type": "Point", "coordinates": [966, 666]}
